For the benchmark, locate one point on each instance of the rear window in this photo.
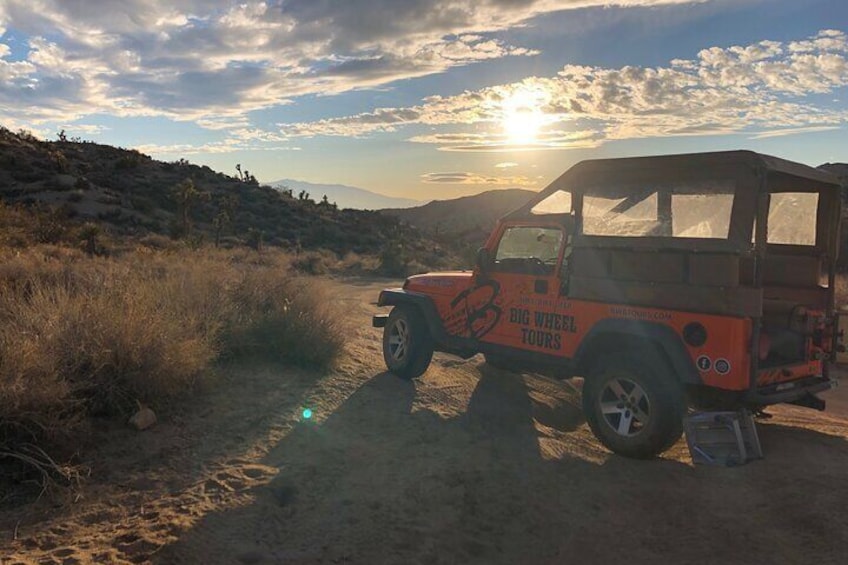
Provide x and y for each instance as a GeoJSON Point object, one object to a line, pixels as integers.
{"type": "Point", "coordinates": [696, 210]}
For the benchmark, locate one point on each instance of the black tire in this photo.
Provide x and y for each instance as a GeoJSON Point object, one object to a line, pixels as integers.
{"type": "Point", "coordinates": [407, 344]}
{"type": "Point", "coordinates": [633, 403]}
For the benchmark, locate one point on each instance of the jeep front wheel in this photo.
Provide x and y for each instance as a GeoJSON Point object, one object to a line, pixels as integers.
{"type": "Point", "coordinates": [407, 345]}
{"type": "Point", "coordinates": [633, 404]}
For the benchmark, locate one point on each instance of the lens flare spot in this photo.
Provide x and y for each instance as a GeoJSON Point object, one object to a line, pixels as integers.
{"type": "Point", "coordinates": [307, 414]}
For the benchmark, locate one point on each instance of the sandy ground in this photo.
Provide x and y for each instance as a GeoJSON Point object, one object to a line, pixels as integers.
{"type": "Point", "coordinates": [467, 465]}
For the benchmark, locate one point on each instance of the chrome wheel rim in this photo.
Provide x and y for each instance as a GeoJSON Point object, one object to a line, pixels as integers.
{"type": "Point", "coordinates": [625, 407]}
{"type": "Point", "coordinates": [399, 340]}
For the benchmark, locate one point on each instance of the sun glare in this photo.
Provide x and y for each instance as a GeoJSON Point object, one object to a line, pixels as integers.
{"type": "Point", "coordinates": [522, 116]}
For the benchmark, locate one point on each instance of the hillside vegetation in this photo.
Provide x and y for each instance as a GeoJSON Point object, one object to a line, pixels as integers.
{"type": "Point", "coordinates": [130, 194]}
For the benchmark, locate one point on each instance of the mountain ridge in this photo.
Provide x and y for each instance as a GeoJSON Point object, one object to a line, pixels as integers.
{"type": "Point", "coordinates": [346, 196]}
{"type": "Point", "coordinates": [463, 216]}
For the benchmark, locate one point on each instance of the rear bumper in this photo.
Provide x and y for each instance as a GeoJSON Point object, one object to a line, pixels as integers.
{"type": "Point", "coordinates": [790, 391]}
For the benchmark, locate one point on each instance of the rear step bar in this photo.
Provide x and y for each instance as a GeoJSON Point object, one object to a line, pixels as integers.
{"type": "Point", "coordinates": [794, 392]}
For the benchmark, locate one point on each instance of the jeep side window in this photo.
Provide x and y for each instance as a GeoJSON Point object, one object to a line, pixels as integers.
{"type": "Point", "coordinates": [678, 209]}
{"type": "Point", "coordinates": [530, 250]}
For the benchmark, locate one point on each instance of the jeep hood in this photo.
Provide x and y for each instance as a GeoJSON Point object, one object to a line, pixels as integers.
{"type": "Point", "coordinates": [439, 283]}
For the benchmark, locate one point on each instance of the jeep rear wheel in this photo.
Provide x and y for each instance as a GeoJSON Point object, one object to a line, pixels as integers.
{"type": "Point", "coordinates": [633, 404]}
{"type": "Point", "coordinates": [407, 344]}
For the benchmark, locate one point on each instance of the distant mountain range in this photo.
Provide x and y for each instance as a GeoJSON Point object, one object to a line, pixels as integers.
{"type": "Point", "coordinates": [346, 196]}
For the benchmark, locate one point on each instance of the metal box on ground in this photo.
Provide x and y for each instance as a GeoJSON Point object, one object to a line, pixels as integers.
{"type": "Point", "coordinates": [722, 438]}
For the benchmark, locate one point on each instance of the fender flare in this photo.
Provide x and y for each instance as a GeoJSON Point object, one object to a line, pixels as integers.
{"type": "Point", "coordinates": [664, 337]}
{"type": "Point", "coordinates": [399, 296]}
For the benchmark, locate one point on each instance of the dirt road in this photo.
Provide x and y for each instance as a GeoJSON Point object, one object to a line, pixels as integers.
{"type": "Point", "coordinates": [467, 465]}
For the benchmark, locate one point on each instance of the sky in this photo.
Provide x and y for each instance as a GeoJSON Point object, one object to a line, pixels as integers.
{"type": "Point", "coordinates": [429, 99]}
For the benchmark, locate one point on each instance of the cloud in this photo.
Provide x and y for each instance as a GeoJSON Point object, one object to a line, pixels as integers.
{"type": "Point", "coordinates": [225, 146]}
{"type": "Point", "coordinates": [506, 165]}
{"type": "Point", "coordinates": [499, 142]}
{"type": "Point", "coordinates": [768, 86]}
{"type": "Point", "coordinates": [87, 129]}
{"type": "Point", "coordinates": [209, 61]}
{"type": "Point", "coordinates": [240, 139]}
{"type": "Point", "coordinates": [475, 179]}
{"type": "Point", "coordinates": [791, 131]}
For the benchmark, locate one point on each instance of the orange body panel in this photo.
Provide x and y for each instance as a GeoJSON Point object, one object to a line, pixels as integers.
{"type": "Point", "coordinates": [510, 312]}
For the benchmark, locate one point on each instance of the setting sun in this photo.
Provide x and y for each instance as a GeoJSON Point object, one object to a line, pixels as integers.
{"type": "Point", "coordinates": [522, 116]}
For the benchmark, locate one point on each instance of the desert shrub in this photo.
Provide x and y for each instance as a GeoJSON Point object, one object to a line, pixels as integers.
{"type": "Point", "coordinates": [157, 241]}
{"type": "Point", "coordinates": [50, 225]}
{"type": "Point", "coordinates": [8, 161]}
{"type": "Point", "coordinates": [254, 239]}
{"type": "Point", "coordinates": [356, 264]}
{"type": "Point", "coordinates": [89, 238]}
{"type": "Point", "coordinates": [83, 336]}
{"type": "Point", "coordinates": [129, 161]}
{"type": "Point", "coordinates": [278, 318]}
{"type": "Point", "coordinates": [393, 260]}
{"type": "Point", "coordinates": [319, 262]}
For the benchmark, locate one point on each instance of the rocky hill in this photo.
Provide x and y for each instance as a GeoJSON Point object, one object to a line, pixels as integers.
{"type": "Point", "coordinates": [467, 218]}
{"type": "Point", "coordinates": [130, 193]}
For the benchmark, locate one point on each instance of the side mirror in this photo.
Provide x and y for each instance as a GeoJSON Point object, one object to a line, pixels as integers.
{"type": "Point", "coordinates": [484, 260]}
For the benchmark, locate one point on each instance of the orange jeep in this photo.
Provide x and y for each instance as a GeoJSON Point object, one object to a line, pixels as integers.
{"type": "Point", "coordinates": [705, 279]}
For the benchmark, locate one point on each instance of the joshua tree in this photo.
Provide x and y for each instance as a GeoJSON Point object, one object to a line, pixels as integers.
{"type": "Point", "coordinates": [185, 195]}
{"type": "Point", "coordinates": [224, 217]}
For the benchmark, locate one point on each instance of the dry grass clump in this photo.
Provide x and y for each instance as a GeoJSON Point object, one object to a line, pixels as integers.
{"type": "Point", "coordinates": [82, 336]}
{"type": "Point", "coordinates": [280, 318]}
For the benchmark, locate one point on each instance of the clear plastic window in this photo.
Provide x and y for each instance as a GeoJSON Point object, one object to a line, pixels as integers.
{"type": "Point", "coordinates": [701, 215]}
{"type": "Point", "coordinates": [792, 218]}
{"type": "Point", "coordinates": [532, 243]}
{"type": "Point", "coordinates": [557, 203]}
{"type": "Point", "coordinates": [694, 209]}
{"type": "Point", "coordinates": [633, 216]}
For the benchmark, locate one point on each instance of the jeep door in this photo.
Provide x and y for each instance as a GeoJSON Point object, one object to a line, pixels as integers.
{"type": "Point", "coordinates": [524, 275]}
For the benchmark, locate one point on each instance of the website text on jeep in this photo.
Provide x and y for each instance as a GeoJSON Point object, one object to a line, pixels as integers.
{"type": "Point", "coordinates": [703, 279]}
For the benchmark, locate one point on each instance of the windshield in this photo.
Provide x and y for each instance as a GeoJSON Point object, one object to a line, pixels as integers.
{"type": "Point", "coordinates": [530, 243]}
{"type": "Point", "coordinates": [696, 210]}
